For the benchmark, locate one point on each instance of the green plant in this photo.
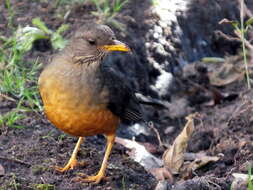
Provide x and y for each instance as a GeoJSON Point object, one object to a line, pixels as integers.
{"type": "Point", "coordinates": [13, 184]}
{"type": "Point", "coordinates": [45, 187]}
{"type": "Point", "coordinates": [242, 32]}
{"type": "Point", "coordinates": [212, 59]}
{"type": "Point", "coordinates": [241, 29]}
{"type": "Point", "coordinates": [61, 137]}
{"type": "Point", "coordinates": [66, 2]}
{"type": "Point", "coordinates": [10, 118]}
{"type": "Point", "coordinates": [18, 78]}
{"type": "Point", "coordinates": [49, 135]}
{"type": "Point", "coordinates": [155, 2]}
{"type": "Point", "coordinates": [123, 183]}
{"type": "Point", "coordinates": [10, 13]}
{"type": "Point", "coordinates": [24, 38]}
{"type": "Point", "coordinates": [58, 42]}
{"type": "Point", "coordinates": [250, 184]}
{"type": "Point", "coordinates": [107, 11]}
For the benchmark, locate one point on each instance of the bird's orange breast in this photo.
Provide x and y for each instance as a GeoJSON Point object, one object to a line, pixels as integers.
{"type": "Point", "coordinates": [82, 123]}
{"type": "Point", "coordinates": [74, 103]}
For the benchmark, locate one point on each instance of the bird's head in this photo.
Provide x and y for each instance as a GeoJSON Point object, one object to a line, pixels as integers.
{"type": "Point", "coordinates": [94, 41]}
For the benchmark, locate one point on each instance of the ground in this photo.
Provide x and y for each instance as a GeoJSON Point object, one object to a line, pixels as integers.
{"type": "Point", "coordinates": [223, 127]}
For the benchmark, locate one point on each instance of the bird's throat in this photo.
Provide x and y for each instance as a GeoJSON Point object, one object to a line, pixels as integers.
{"type": "Point", "coordinates": [88, 59]}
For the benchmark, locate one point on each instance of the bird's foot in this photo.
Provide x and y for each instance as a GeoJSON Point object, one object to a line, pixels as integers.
{"type": "Point", "coordinates": [70, 165]}
{"type": "Point", "coordinates": [90, 179]}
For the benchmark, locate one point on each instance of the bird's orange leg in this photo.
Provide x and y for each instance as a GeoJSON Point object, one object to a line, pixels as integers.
{"type": "Point", "coordinates": [97, 178]}
{"type": "Point", "coordinates": [72, 161]}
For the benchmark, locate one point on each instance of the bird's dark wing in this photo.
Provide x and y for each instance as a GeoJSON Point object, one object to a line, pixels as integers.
{"type": "Point", "coordinates": [122, 99]}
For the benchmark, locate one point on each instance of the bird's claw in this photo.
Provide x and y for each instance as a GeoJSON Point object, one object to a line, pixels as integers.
{"type": "Point", "coordinates": [90, 179]}
{"type": "Point", "coordinates": [70, 165]}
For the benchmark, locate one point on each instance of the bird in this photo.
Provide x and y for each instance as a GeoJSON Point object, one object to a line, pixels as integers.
{"type": "Point", "coordinates": [83, 97]}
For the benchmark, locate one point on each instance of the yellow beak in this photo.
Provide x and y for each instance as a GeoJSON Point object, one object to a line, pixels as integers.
{"type": "Point", "coordinates": [117, 46]}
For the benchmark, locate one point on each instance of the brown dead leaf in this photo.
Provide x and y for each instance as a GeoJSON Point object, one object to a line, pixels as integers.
{"type": "Point", "coordinates": [194, 161]}
{"type": "Point", "coordinates": [222, 74]}
{"type": "Point", "coordinates": [201, 160]}
{"type": "Point", "coordinates": [174, 156]}
{"type": "Point", "coordinates": [162, 174]}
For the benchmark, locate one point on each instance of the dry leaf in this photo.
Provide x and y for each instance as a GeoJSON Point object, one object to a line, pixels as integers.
{"type": "Point", "coordinates": [222, 74]}
{"type": "Point", "coordinates": [174, 156]}
{"type": "Point", "coordinates": [201, 160]}
{"type": "Point", "coordinates": [194, 161]}
{"type": "Point", "coordinates": [162, 174]}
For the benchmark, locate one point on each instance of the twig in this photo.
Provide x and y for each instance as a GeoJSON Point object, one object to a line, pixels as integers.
{"type": "Point", "coordinates": [246, 9]}
{"type": "Point", "coordinates": [247, 43]}
{"type": "Point", "coordinates": [214, 184]}
{"type": "Point", "coordinates": [43, 180]}
{"type": "Point", "coordinates": [15, 160]}
{"type": "Point", "coordinates": [151, 125]}
{"type": "Point", "coordinates": [227, 37]}
{"type": "Point", "coordinates": [230, 38]}
{"type": "Point", "coordinates": [7, 97]}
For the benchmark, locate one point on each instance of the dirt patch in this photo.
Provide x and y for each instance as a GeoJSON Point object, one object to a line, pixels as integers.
{"type": "Point", "coordinates": [41, 147]}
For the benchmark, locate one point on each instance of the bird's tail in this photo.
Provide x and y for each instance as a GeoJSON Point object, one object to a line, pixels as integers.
{"type": "Point", "coordinates": [151, 101]}
{"type": "Point", "coordinates": [155, 104]}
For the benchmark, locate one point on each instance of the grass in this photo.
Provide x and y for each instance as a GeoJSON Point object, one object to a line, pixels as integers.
{"type": "Point", "coordinates": [13, 183]}
{"type": "Point", "coordinates": [123, 183]}
{"type": "Point", "coordinates": [44, 187]}
{"type": "Point", "coordinates": [67, 2]}
{"type": "Point", "coordinates": [250, 184]}
{"type": "Point", "coordinates": [10, 119]}
{"type": "Point", "coordinates": [107, 10]}
{"type": "Point", "coordinates": [241, 29]}
{"type": "Point", "coordinates": [18, 77]}
{"type": "Point", "coordinates": [242, 33]}
{"type": "Point", "coordinates": [18, 82]}
{"type": "Point", "coordinates": [10, 13]}
{"type": "Point", "coordinates": [57, 41]}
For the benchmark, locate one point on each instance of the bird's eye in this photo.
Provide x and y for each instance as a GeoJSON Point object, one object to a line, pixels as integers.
{"type": "Point", "coordinates": [92, 41]}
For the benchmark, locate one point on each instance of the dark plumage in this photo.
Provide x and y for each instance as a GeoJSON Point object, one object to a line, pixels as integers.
{"type": "Point", "coordinates": [122, 100]}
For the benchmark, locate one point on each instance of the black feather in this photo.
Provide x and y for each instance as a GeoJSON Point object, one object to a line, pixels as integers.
{"type": "Point", "coordinates": [122, 100]}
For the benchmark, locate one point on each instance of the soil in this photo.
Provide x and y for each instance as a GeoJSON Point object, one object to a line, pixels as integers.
{"type": "Point", "coordinates": [224, 128]}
